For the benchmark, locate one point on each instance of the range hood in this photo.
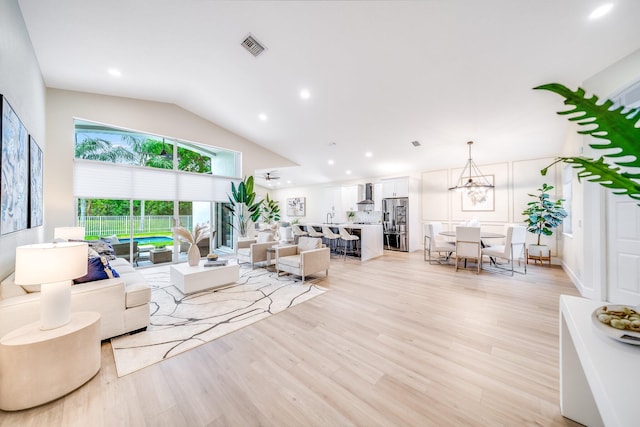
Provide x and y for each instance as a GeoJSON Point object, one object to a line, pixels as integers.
{"type": "Point", "coordinates": [368, 195]}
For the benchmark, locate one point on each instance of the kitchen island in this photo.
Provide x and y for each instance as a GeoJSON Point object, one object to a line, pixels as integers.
{"type": "Point", "coordinates": [370, 237]}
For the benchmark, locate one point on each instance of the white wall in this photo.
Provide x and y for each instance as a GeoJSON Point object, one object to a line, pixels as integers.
{"type": "Point", "coordinates": [585, 258]}
{"type": "Point", "coordinates": [21, 83]}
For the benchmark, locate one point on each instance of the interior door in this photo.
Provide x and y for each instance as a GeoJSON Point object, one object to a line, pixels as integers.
{"type": "Point", "coordinates": [623, 250]}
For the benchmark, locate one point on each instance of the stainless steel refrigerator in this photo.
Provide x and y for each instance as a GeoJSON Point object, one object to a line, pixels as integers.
{"type": "Point", "coordinates": [395, 224]}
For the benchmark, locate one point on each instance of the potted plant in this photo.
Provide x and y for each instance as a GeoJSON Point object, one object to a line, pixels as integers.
{"type": "Point", "coordinates": [270, 210]}
{"type": "Point", "coordinates": [542, 217]}
{"type": "Point", "coordinates": [200, 232]}
{"type": "Point", "coordinates": [243, 205]}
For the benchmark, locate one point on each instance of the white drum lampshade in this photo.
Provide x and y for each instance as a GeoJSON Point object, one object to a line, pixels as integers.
{"type": "Point", "coordinates": [53, 266]}
{"type": "Point", "coordinates": [68, 233]}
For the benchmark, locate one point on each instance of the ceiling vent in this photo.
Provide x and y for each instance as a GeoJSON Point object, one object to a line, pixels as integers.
{"type": "Point", "coordinates": [252, 45]}
{"type": "Point", "coordinates": [415, 143]}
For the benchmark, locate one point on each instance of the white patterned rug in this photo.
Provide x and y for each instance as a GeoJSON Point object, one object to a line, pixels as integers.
{"type": "Point", "coordinates": [181, 322]}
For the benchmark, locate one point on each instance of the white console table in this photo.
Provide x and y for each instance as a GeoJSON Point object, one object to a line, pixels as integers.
{"type": "Point", "coordinates": [599, 376]}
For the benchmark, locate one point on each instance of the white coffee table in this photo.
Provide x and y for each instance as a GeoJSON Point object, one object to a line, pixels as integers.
{"type": "Point", "coordinates": [190, 279]}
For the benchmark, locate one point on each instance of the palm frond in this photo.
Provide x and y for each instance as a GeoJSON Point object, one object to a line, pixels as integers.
{"type": "Point", "coordinates": [616, 126]}
{"type": "Point", "coordinates": [604, 174]}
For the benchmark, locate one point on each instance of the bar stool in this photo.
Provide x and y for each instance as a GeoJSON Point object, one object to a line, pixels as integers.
{"type": "Point", "coordinates": [330, 237]}
{"type": "Point", "coordinates": [348, 239]}
{"type": "Point", "coordinates": [311, 230]}
{"type": "Point", "coordinates": [297, 232]}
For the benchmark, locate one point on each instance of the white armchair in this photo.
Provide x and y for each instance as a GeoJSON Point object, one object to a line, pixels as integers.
{"type": "Point", "coordinates": [255, 250]}
{"type": "Point", "coordinates": [307, 257]}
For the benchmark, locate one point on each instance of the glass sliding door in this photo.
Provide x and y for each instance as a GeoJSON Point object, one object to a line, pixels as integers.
{"type": "Point", "coordinates": [224, 225]}
{"type": "Point", "coordinates": [151, 230]}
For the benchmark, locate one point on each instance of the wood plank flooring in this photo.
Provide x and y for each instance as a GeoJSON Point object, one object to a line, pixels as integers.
{"type": "Point", "coordinates": [394, 342]}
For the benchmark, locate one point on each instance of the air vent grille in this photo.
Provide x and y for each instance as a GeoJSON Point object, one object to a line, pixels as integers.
{"type": "Point", "coordinates": [415, 143]}
{"type": "Point", "coordinates": [252, 45]}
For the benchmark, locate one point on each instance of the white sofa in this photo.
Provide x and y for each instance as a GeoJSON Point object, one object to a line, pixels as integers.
{"type": "Point", "coordinates": [122, 302]}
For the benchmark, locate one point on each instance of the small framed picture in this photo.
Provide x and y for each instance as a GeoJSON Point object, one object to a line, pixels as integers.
{"type": "Point", "coordinates": [480, 199]}
{"type": "Point", "coordinates": [296, 206]}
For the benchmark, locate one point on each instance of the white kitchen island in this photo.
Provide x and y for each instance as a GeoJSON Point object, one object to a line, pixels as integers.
{"type": "Point", "coordinates": [370, 237]}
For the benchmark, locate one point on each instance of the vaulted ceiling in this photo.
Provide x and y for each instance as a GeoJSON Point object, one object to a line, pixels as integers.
{"type": "Point", "coordinates": [379, 74]}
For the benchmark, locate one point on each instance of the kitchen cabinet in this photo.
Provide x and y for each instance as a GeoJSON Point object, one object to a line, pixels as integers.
{"type": "Point", "coordinates": [350, 197]}
{"type": "Point", "coordinates": [397, 187]}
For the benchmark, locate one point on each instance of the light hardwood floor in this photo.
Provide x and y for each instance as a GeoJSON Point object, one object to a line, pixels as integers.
{"type": "Point", "coordinates": [394, 342]}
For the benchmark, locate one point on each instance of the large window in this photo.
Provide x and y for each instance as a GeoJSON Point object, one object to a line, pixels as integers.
{"type": "Point", "coordinates": [137, 186]}
{"type": "Point", "coordinates": [103, 143]}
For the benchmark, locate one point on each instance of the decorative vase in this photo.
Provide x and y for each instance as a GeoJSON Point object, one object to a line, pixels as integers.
{"type": "Point", "coordinates": [193, 255]}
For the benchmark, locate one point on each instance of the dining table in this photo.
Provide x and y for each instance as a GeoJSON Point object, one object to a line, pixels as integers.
{"type": "Point", "coordinates": [483, 235]}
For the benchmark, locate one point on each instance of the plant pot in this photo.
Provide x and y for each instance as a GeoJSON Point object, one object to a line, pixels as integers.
{"type": "Point", "coordinates": [539, 251]}
{"type": "Point", "coordinates": [193, 255]}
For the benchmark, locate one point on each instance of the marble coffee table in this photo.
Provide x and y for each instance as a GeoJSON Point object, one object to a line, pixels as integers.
{"type": "Point", "coordinates": [190, 279]}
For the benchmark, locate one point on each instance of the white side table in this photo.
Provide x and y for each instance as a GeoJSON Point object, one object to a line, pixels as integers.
{"type": "Point", "coordinates": [40, 366]}
{"type": "Point", "coordinates": [598, 375]}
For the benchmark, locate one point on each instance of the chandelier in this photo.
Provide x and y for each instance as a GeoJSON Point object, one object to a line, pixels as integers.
{"type": "Point", "coordinates": [471, 179]}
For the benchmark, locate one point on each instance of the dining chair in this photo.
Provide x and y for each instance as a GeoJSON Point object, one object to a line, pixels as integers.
{"type": "Point", "coordinates": [512, 249]}
{"type": "Point", "coordinates": [436, 244]}
{"type": "Point", "coordinates": [468, 245]}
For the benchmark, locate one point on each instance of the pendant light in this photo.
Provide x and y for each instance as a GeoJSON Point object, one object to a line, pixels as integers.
{"type": "Point", "coordinates": [471, 177]}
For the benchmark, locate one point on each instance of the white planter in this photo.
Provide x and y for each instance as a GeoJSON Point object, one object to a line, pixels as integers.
{"type": "Point", "coordinates": [539, 251]}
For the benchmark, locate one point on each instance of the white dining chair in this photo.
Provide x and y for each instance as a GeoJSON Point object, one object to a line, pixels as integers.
{"type": "Point", "coordinates": [468, 245]}
{"type": "Point", "coordinates": [512, 250]}
{"type": "Point", "coordinates": [435, 245]}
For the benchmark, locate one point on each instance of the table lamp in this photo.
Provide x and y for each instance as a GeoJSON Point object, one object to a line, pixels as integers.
{"type": "Point", "coordinates": [53, 266]}
{"type": "Point", "coordinates": [68, 233]}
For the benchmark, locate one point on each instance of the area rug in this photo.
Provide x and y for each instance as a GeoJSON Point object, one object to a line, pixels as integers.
{"type": "Point", "coordinates": [181, 322]}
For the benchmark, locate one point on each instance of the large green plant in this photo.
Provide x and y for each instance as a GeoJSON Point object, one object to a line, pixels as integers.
{"type": "Point", "coordinates": [543, 215]}
{"type": "Point", "coordinates": [243, 205]}
{"type": "Point", "coordinates": [270, 210]}
{"type": "Point", "coordinates": [616, 128]}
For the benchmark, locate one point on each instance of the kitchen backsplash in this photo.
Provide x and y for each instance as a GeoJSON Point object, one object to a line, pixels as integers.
{"type": "Point", "coordinates": [374, 217]}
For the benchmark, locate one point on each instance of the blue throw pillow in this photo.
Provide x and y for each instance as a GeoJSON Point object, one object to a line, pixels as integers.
{"type": "Point", "coordinates": [98, 268]}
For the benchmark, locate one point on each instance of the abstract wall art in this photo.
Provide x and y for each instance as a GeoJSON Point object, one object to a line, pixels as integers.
{"type": "Point", "coordinates": [35, 184]}
{"type": "Point", "coordinates": [14, 184]}
{"type": "Point", "coordinates": [296, 206]}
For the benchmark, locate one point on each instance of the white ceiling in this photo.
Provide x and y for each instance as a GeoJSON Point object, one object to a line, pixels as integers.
{"type": "Point", "coordinates": [381, 73]}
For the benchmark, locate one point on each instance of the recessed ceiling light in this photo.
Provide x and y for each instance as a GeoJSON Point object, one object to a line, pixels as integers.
{"type": "Point", "coordinates": [348, 172]}
{"type": "Point", "coordinates": [368, 154]}
{"type": "Point", "coordinates": [288, 182]}
{"type": "Point", "coordinates": [114, 72]}
{"type": "Point", "coordinates": [331, 162]}
{"type": "Point", "coordinates": [600, 11]}
{"type": "Point", "coordinates": [263, 117]}
{"type": "Point", "coordinates": [305, 94]}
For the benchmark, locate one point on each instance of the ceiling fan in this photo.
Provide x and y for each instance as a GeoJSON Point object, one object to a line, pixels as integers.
{"type": "Point", "coordinates": [268, 176]}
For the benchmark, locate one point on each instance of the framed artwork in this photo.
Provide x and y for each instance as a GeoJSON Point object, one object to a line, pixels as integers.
{"type": "Point", "coordinates": [35, 184]}
{"type": "Point", "coordinates": [296, 206]}
{"type": "Point", "coordinates": [479, 199]}
{"type": "Point", "coordinates": [14, 170]}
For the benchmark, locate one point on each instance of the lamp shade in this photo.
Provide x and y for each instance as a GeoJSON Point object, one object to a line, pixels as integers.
{"type": "Point", "coordinates": [68, 233]}
{"type": "Point", "coordinates": [50, 262]}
